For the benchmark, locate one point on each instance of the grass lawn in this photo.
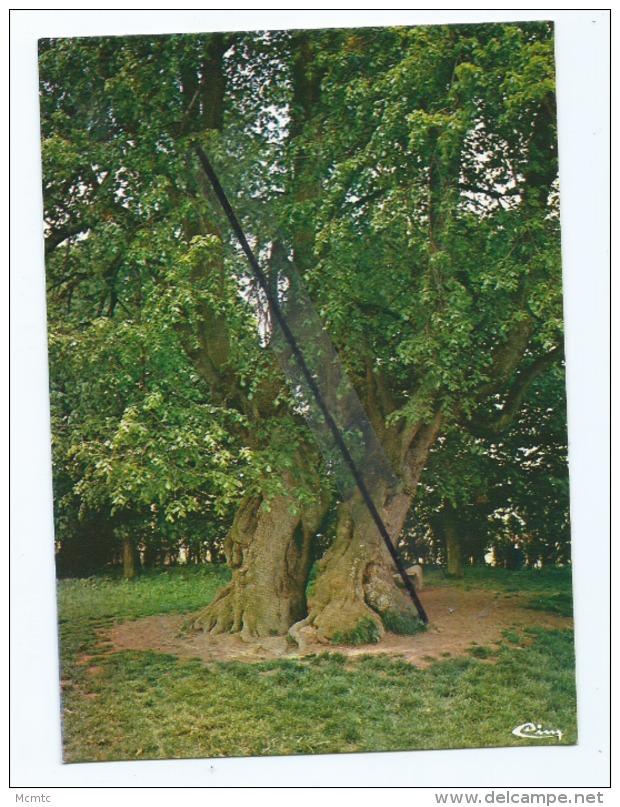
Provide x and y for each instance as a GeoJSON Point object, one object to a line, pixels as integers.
{"type": "Point", "coordinates": [144, 705]}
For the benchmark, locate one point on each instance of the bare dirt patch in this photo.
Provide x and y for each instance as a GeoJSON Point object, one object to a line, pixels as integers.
{"type": "Point", "coordinates": [458, 620]}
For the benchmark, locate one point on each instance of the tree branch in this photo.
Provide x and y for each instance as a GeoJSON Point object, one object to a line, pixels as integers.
{"type": "Point", "coordinates": [57, 237]}
{"type": "Point", "coordinates": [502, 418]}
{"type": "Point", "coordinates": [507, 358]}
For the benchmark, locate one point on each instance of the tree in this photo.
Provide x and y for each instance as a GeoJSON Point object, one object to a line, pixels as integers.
{"type": "Point", "coordinates": [408, 173]}
{"type": "Point", "coordinates": [195, 426]}
{"type": "Point", "coordinates": [438, 241]}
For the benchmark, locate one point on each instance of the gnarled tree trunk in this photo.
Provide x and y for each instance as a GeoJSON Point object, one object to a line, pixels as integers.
{"type": "Point", "coordinates": [356, 597]}
{"type": "Point", "coordinates": [268, 549]}
{"type": "Point", "coordinates": [355, 589]}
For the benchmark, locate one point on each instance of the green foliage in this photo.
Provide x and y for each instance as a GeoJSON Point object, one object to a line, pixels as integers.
{"type": "Point", "coordinates": [401, 623]}
{"type": "Point", "coordinates": [503, 488]}
{"type": "Point", "coordinates": [412, 174]}
{"type": "Point", "coordinates": [366, 631]}
{"type": "Point", "coordinates": [138, 435]}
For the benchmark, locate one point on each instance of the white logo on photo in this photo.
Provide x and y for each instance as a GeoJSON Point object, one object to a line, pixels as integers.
{"type": "Point", "coordinates": [534, 731]}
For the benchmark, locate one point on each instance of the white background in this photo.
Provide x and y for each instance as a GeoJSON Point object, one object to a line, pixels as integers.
{"type": "Point", "coordinates": [582, 47]}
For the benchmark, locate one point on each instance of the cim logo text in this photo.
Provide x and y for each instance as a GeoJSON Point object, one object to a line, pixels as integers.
{"type": "Point", "coordinates": [534, 731]}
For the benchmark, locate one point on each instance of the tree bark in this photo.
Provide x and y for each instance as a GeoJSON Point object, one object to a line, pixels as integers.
{"type": "Point", "coordinates": [355, 588]}
{"type": "Point", "coordinates": [356, 597]}
{"type": "Point", "coordinates": [268, 549]}
{"type": "Point", "coordinates": [128, 554]}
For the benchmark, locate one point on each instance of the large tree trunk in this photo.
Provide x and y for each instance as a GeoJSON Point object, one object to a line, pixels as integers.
{"type": "Point", "coordinates": [355, 590]}
{"type": "Point", "coordinates": [269, 545]}
{"type": "Point", "coordinates": [269, 551]}
{"type": "Point", "coordinates": [356, 596]}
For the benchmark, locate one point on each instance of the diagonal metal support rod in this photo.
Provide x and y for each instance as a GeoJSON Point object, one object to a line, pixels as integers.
{"type": "Point", "coordinates": [310, 381]}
